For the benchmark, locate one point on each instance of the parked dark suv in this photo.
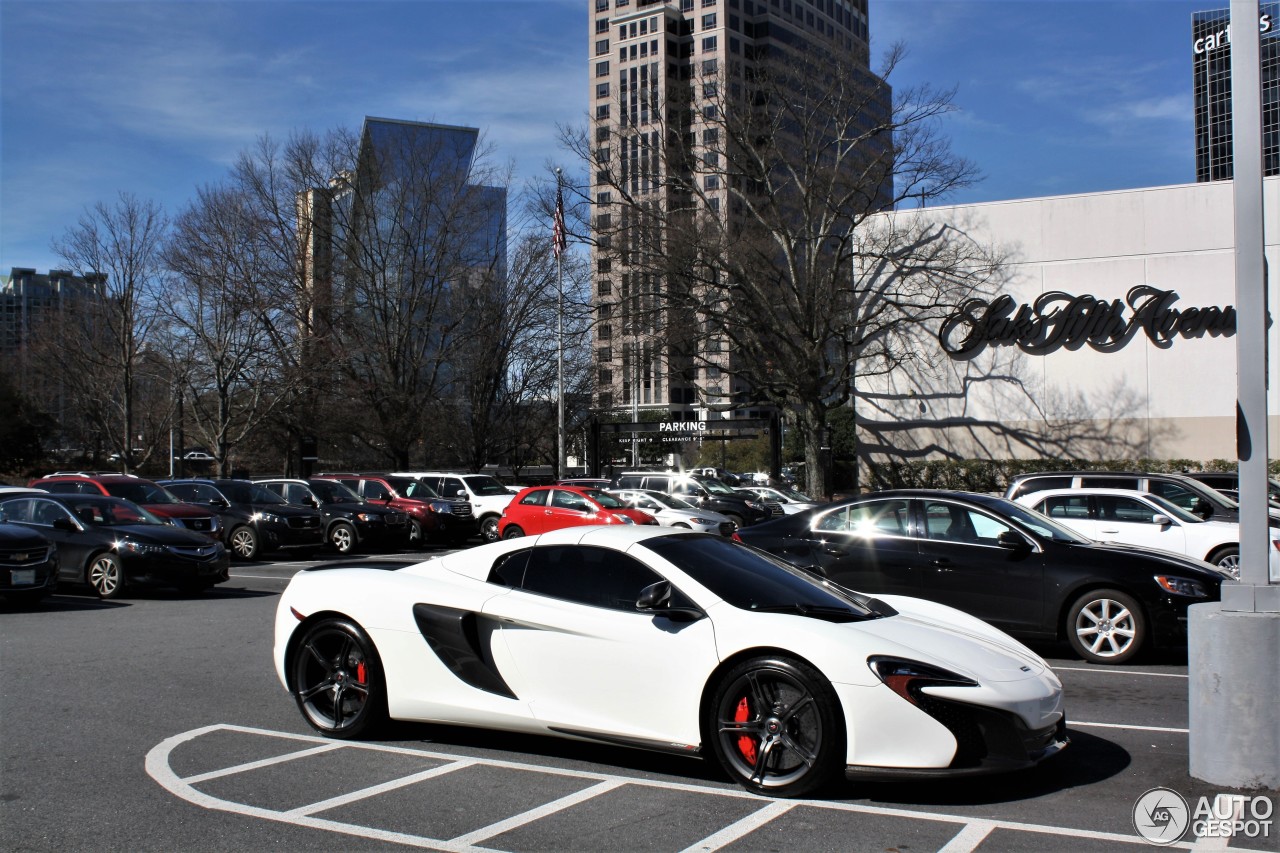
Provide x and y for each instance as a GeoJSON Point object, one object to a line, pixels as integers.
{"type": "Point", "coordinates": [431, 517]}
{"type": "Point", "coordinates": [1228, 482]}
{"type": "Point", "coordinates": [1179, 489]}
{"type": "Point", "coordinates": [706, 492]}
{"type": "Point", "coordinates": [255, 518]}
{"type": "Point", "coordinates": [349, 520]}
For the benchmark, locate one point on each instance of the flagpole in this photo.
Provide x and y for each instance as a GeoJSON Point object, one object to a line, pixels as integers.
{"type": "Point", "coordinates": [560, 241]}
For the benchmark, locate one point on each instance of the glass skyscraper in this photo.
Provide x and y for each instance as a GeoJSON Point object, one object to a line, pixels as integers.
{"type": "Point", "coordinates": [1211, 65]}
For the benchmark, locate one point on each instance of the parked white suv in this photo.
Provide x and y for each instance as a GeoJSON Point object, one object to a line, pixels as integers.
{"type": "Point", "coordinates": [1145, 520]}
{"type": "Point", "coordinates": [487, 496]}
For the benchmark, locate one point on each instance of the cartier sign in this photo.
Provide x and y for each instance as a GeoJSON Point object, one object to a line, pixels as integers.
{"type": "Point", "coordinates": [1059, 320]}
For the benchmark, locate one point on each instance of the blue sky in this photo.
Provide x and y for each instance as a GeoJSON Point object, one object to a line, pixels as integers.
{"type": "Point", "coordinates": [157, 98]}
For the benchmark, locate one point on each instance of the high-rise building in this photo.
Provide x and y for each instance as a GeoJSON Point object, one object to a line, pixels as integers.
{"type": "Point", "coordinates": [1211, 66]}
{"type": "Point", "coordinates": [28, 298]}
{"type": "Point", "coordinates": [659, 73]}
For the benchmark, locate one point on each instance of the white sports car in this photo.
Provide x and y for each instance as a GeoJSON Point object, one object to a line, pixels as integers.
{"type": "Point", "coordinates": [667, 640]}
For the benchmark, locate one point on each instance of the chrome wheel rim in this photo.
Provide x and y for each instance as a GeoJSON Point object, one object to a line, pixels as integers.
{"type": "Point", "coordinates": [1106, 628]}
{"type": "Point", "coordinates": [104, 576]}
{"type": "Point", "coordinates": [489, 529]}
{"type": "Point", "coordinates": [342, 538]}
{"type": "Point", "coordinates": [243, 543]}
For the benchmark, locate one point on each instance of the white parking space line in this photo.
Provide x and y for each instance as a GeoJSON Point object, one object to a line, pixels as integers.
{"type": "Point", "coordinates": [254, 765]}
{"type": "Point", "coordinates": [540, 812]}
{"type": "Point", "coordinates": [374, 790]}
{"type": "Point", "coordinates": [1077, 723]}
{"type": "Point", "coordinates": [1109, 671]}
{"type": "Point", "coordinates": [969, 837]}
{"type": "Point", "coordinates": [738, 829]}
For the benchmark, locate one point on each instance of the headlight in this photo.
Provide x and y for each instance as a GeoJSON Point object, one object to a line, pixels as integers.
{"type": "Point", "coordinates": [1181, 586]}
{"type": "Point", "coordinates": [623, 519]}
{"type": "Point", "coordinates": [268, 517]}
{"type": "Point", "coordinates": [908, 677]}
{"type": "Point", "coordinates": [701, 521]}
{"type": "Point", "coordinates": [363, 516]}
{"type": "Point", "coordinates": [442, 507]}
{"type": "Point", "coordinates": [139, 547]}
{"type": "Point", "coordinates": [754, 505]}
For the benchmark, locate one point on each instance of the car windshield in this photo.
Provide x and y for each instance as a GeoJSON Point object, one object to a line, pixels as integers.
{"type": "Point", "coordinates": [1174, 511]}
{"type": "Point", "coordinates": [753, 580]}
{"type": "Point", "coordinates": [333, 492]}
{"type": "Point", "coordinates": [408, 487]}
{"type": "Point", "coordinates": [262, 495]}
{"type": "Point", "coordinates": [108, 512]}
{"type": "Point", "coordinates": [1037, 523]}
{"type": "Point", "coordinates": [140, 492]}
{"type": "Point", "coordinates": [485, 485]}
{"type": "Point", "coordinates": [715, 487]}
{"type": "Point", "coordinates": [605, 499]}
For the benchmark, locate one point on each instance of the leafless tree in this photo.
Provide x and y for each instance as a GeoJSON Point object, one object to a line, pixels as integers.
{"type": "Point", "coordinates": [101, 346]}
{"type": "Point", "coordinates": [762, 213]}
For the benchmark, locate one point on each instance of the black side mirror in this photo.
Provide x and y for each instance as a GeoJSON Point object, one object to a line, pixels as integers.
{"type": "Point", "coordinates": [1012, 541]}
{"type": "Point", "coordinates": [220, 502]}
{"type": "Point", "coordinates": [1203, 508]}
{"type": "Point", "coordinates": [656, 599]}
{"type": "Point", "coordinates": [65, 523]}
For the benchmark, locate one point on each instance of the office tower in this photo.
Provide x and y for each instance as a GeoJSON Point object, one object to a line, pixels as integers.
{"type": "Point", "coordinates": [1211, 67]}
{"type": "Point", "coordinates": [660, 73]}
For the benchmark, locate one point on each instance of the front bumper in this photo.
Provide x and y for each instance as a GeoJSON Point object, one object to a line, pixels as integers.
{"type": "Point", "coordinates": [276, 536]}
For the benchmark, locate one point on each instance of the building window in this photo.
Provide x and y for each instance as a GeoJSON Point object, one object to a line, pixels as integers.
{"type": "Point", "coordinates": [602, 69]}
{"type": "Point", "coordinates": [602, 111]}
{"type": "Point", "coordinates": [709, 44]}
{"type": "Point", "coordinates": [710, 66]}
{"type": "Point", "coordinates": [602, 25]}
{"type": "Point", "coordinates": [602, 134]}
{"type": "Point", "coordinates": [709, 21]}
{"type": "Point", "coordinates": [606, 376]}
{"type": "Point", "coordinates": [602, 90]}
{"type": "Point", "coordinates": [606, 332]}
{"type": "Point", "coordinates": [602, 47]}
{"type": "Point", "coordinates": [604, 198]}
{"type": "Point", "coordinates": [711, 182]}
{"type": "Point", "coordinates": [602, 155]}
{"type": "Point", "coordinates": [604, 355]}
{"type": "Point", "coordinates": [686, 5]}
{"type": "Point", "coordinates": [604, 265]}
{"type": "Point", "coordinates": [602, 5]}
{"type": "Point", "coordinates": [711, 136]}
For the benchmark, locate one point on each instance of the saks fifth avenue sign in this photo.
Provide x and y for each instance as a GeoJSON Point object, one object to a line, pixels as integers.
{"type": "Point", "coordinates": [1059, 320]}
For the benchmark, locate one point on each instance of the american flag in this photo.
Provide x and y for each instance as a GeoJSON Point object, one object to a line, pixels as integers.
{"type": "Point", "coordinates": [559, 240]}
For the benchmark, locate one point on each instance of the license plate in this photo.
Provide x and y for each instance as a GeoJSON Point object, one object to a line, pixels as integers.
{"type": "Point", "coordinates": [19, 577]}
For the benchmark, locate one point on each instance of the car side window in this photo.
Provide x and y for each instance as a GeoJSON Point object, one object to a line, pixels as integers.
{"type": "Point", "coordinates": [1040, 484]}
{"type": "Point", "coordinates": [62, 487]}
{"type": "Point", "coordinates": [18, 510]}
{"type": "Point", "coordinates": [948, 522]}
{"type": "Point", "coordinates": [1065, 506]}
{"type": "Point", "coordinates": [1109, 482]}
{"type": "Point", "coordinates": [375, 491]}
{"type": "Point", "coordinates": [45, 513]}
{"type": "Point", "coordinates": [451, 487]}
{"type": "Point", "coordinates": [1124, 509]}
{"type": "Point", "coordinates": [281, 489]}
{"type": "Point", "coordinates": [1175, 494]}
{"type": "Point", "coordinates": [658, 484]}
{"type": "Point", "coordinates": [598, 577]}
{"type": "Point", "coordinates": [561, 499]}
{"type": "Point", "coordinates": [508, 570]}
{"type": "Point", "coordinates": [538, 498]}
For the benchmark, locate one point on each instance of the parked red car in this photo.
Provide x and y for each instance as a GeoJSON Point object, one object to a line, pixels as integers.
{"type": "Point", "coordinates": [541, 508]}
{"type": "Point", "coordinates": [152, 497]}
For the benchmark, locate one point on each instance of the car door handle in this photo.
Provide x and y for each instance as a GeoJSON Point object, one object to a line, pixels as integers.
{"type": "Point", "coordinates": [941, 564]}
{"type": "Point", "coordinates": [1109, 529]}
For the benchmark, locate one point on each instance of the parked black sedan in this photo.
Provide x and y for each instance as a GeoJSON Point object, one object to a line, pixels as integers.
{"type": "Point", "coordinates": [28, 564]}
{"type": "Point", "coordinates": [1001, 562]}
{"type": "Point", "coordinates": [111, 543]}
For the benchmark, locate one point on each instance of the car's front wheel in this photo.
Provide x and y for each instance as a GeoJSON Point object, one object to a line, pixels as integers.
{"type": "Point", "coordinates": [1106, 626]}
{"type": "Point", "coordinates": [417, 536]}
{"type": "Point", "coordinates": [775, 726]}
{"type": "Point", "coordinates": [342, 537]}
{"type": "Point", "coordinates": [337, 679]}
{"type": "Point", "coordinates": [244, 542]}
{"type": "Point", "coordinates": [106, 575]}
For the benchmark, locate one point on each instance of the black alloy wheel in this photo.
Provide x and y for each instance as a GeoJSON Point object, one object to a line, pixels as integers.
{"type": "Point", "coordinates": [513, 531]}
{"type": "Point", "coordinates": [337, 679]}
{"type": "Point", "coordinates": [775, 726]}
{"type": "Point", "coordinates": [489, 528]}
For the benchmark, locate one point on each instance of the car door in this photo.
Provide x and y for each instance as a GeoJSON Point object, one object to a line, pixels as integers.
{"type": "Point", "coordinates": [867, 546]}
{"type": "Point", "coordinates": [963, 565]}
{"type": "Point", "coordinates": [1073, 511]}
{"type": "Point", "coordinates": [1132, 522]}
{"type": "Point", "coordinates": [74, 543]}
{"type": "Point", "coordinates": [567, 509]}
{"type": "Point", "coordinates": [583, 657]}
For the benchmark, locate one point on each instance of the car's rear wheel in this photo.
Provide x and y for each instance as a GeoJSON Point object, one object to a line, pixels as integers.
{"type": "Point", "coordinates": [417, 537]}
{"type": "Point", "coordinates": [736, 519]}
{"type": "Point", "coordinates": [106, 575]}
{"type": "Point", "coordinates": [342, 537]}
{"type": "Point", "coordinates": [1106, 626]}
{"type": "Point", "coordinates": [513, 531]}
{"type": "Point", "coordinates": [244, 542]}
{"type": "Point", "coordinates": [775, 726]}
{"type": "Point", "coordinates": [489, 529]}
{"type": "Point", "coordinates": [337, 679]}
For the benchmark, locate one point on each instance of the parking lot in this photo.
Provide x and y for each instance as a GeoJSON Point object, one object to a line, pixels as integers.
{"type": "Point", "coordinates": [157, 723]}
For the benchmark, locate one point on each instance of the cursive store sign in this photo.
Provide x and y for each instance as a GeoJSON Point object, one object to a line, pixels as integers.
{"type": "Point", "coordinates": [1059, 320]}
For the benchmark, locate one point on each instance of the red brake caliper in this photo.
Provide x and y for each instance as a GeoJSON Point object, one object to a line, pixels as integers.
{"type": "Point", "coordinates": [360, 673]}
{"type": "Point", "coordinates": [746, 744]}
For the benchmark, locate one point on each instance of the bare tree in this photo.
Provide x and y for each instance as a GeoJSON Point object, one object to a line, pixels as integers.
{"type": "Point", "coordinates": [101, 345]}
{"type": "Point", "coordinates": [225, 319]}
{"type": "Point", "coordinates": [764, 225]}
